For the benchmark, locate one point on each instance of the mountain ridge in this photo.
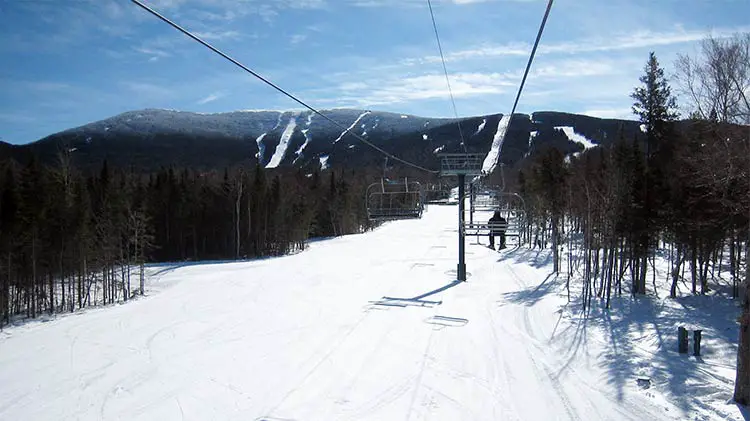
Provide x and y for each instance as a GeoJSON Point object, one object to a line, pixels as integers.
{"type": "Point", "coordinates": [152, 138]}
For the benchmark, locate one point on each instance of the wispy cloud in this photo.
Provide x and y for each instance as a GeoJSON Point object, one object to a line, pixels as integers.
{"type": "Point", "coordinates": [404, 89]}
{"type": "Point", "coordinates": [633, 40]}
{"type": "Point", "coordinates": [211, 98]}
{"type": "Point", "coordinates": [147, 89]}
{"type": "Point", "coordinates": [297, 38]}
{"type": "Point", "coordinates": [218, 35]}
{"type": "Point", "coordinates": [153, 53]}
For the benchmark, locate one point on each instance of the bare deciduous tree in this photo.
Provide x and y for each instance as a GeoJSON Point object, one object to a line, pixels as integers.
{"type": "Point", "coordinates": [714, 82]}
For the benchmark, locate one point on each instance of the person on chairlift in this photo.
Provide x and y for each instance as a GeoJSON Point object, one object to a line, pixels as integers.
{"type": "Point", "coordinates": [497, 219]}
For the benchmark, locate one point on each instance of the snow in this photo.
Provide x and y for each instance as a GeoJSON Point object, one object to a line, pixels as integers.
{"type": "Point", "coordinates": [404, 116]}
{"type": "Point", "coordinates": [481, 126]}
{"type": "Point", "coordinates": [575, 137]}
{"type": "Point", "coordinates": [310, 336]}
{"type": "Point", "coordinates": [532, 137]}
{"type": "Point", "coordinates": [302, 147]}
{"type": "Point", "coordinates": [425, 137]}
{"type": "Point", "coordinates": [280, 151]}
{"type": "Point", "coordinates": [351, 127]}
{"type": "Point", "coordinates": [261, 146]}
{"type": "Point", "coordinates": [308, 138]}
{"type": "Point", "coordinates": [439, 149]}
{"type": "Point", "coordinates": [490, 161]}
{"type": "Point", "coordinates": [643, 128]}
{"type": "Point", "coordinates": [323, 162]}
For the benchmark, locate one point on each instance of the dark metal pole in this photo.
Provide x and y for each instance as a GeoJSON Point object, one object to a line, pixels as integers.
{"type": "Point", "coordinates": [471, 203]}
{"type": "Point", "coordinates": [461, 272]}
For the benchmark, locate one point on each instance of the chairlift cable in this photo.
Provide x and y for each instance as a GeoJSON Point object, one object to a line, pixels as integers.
{"type": "Point", "coordinates": [347, 130]}
{"type": "Point", "coordinates": [531, 59]}
{"type": "Point", "coordinates": [447, 79]}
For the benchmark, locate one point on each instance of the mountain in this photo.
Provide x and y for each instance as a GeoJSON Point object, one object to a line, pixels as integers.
{"type": "Point", "coordinates": [148, 139]}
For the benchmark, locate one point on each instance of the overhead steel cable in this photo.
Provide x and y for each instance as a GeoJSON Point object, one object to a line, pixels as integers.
{"type": "Point", "coordinates": [447, 79]}
{"type": "Point", "coordinates": [523, 80]}
{"type": "Point", "coordinates": [531, 59]}
{"type": "Point", "coordinates": [346, 131]}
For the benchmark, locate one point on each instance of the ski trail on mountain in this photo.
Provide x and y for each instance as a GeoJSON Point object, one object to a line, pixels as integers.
{"type": "Point", "coordinates": [281, 148]}
{"type": "Point", "coordinates": [350, 127]}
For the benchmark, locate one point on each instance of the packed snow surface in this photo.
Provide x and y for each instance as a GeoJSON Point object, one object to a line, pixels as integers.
{"type": "Point", "coordinates": [312, 336]}
{"type": "Point", "coordinates": [280, 151]}
{"type": "Point", "coordinates": [490, 161]}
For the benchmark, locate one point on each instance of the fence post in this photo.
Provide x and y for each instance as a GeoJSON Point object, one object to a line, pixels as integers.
{"type": "Point", "coordinates": [682, 340]}
{"type": "Point", "coordinates": [697, 342]}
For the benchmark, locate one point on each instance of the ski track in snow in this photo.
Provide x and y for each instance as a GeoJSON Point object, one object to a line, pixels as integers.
{"type": "Point", "coordinates": [280, 151]}
{"type": "Point", "coordinates": [490, 161]}
{"type": "Point", "coordinates": [310, 337]}
{"type": "Point", "coordinates": [351, 127]}
{"type": "Point", "coordinates": [577, 138]}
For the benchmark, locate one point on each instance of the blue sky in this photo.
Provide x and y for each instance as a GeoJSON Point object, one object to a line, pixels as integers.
{"type": "Point", "coordinates": [67, 63]}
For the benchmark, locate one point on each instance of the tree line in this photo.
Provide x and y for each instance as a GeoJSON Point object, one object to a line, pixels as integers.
{"type": "Point", "coordinates": [70, 240]}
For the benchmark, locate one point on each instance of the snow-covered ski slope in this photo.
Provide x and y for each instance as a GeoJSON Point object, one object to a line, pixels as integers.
{"type": "Point", "coordinates": [310, 337]}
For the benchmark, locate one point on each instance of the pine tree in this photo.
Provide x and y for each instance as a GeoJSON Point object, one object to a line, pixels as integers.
{"type": "Point", "coordinates": [656, 108]}
{"type": "Point", "coordinates": [654, 103]}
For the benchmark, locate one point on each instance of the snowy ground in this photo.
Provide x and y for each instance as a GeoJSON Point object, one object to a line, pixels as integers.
{"type": "Point", "coordinates": [310, 337]}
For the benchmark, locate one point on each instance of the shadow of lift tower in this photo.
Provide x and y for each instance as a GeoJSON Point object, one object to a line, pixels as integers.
{"type": "Point", "coordinates": [461, 165]}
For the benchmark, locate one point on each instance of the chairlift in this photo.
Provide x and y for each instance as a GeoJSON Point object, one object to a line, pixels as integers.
{"type": "Point", "coordinates": [511, 207]}
{"type": "Point", "coordinates": [393, 200]}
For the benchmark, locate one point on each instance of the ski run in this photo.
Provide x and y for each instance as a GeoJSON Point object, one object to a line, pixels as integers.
{"type": "Point", "coordinates": [310, 336]}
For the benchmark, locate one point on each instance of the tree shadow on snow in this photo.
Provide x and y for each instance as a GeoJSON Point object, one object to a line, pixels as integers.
{"type": "Point", "coordinates": [642, 341]}
{"type": "Point", "coordinates": [531, 296]}
{"type": "Point", "coordinates": [535, 258]}
{"type": "Point", "coordinates": [163, 268]}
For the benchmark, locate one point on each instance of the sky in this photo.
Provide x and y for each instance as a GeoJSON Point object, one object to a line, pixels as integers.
{"type": "Point", "coordinates": [68, 63]}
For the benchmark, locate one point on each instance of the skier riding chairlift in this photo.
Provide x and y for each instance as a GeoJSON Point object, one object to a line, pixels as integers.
{"type": "Point", "coordinates": [498, 225]}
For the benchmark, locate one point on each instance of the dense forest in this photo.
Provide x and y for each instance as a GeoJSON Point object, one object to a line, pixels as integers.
{"type": "Point", "coordinates": [70, 240]}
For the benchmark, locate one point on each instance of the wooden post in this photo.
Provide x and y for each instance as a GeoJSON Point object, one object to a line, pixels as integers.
{"type": "Point", "coordinates": [682, 340]}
